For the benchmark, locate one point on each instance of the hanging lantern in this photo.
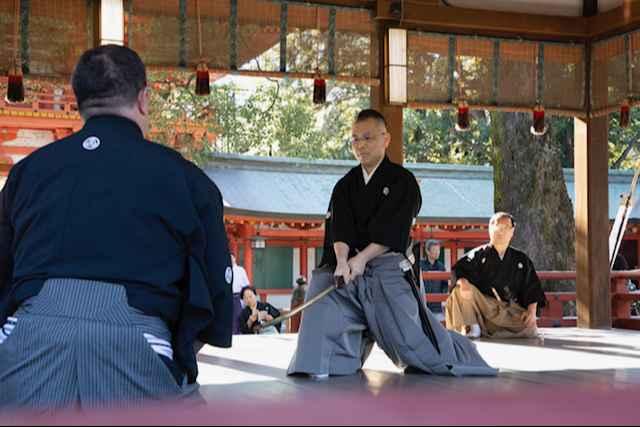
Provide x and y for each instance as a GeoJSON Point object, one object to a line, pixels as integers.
{"type": "Point", "coordinates": [203, 86]}
{"type": "Point", "coordinates": [625, 113]}
{"type": "Point", "coordinates": [15, 86]}
{"type": "Point", "coordinates": [539, 126]}
{"type": "Point", "coordinates": [319, 89]}
{"type": "Point", "coordinates": [202, 79]}
{"type": "Point", "coordinates": [463, 122]}
{"type": "Point", "coordinates": [319, 84]}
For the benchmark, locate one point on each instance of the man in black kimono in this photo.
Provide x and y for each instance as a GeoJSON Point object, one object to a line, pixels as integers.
{"type": "Point", "coordinates": [497, 291]}
{"type": "Point", "coordinates": [113, 256]}
{"type": "Point", "coordinates": [367, 229]}
{"type": "Point", "coordinates": [256, 312]}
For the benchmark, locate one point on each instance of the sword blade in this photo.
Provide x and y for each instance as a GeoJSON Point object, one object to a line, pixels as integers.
{"type": "Point", "coordinates": [300, 308]}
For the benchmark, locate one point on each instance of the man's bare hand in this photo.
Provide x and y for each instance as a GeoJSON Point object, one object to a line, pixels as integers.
{"type": "Point", "coordinates": [357, 265]}
{"type": "Point", "coordinates": [529, 319]}
{"type": "Point", "coordinates": [344, 271]}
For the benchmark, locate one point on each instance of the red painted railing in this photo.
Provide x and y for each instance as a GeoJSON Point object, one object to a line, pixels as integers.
{"type": "Point", "coordinates": [65, 104]}
{"type": "Point", "coordinates": [553, 314]}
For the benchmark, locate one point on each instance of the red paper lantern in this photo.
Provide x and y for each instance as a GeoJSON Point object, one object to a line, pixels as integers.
{"type": "Point", "coordinates": [625, 113]}
{"type": "Point", "coordinates": [203, 86]}
{"type": "Point", "coordinates": [463, 122]}
{"type": "Point", "coordinates": [15, 86]}
{"type": "Point", "coordinates": [319, 90]}
{"type": "Point", "coordinates": [539, 126]}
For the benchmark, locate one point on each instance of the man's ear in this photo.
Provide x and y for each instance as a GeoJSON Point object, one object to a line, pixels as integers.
{"type": "Point", "coordinates": [143, 102]}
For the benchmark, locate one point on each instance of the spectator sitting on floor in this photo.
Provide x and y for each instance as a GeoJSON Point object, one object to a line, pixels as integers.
{"type": "Point", "coordinates": [255, 312]}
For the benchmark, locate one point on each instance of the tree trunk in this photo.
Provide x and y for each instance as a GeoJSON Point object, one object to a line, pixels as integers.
{"type": "Point", "coordinates": [529, 183]}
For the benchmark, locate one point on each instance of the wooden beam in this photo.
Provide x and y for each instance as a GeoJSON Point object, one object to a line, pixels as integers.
{"type": "Point", "coordinates": [592, 223]}
{"type": "Point", "coordinates": [364, 4]}
{"type": "Point", "coordinates": [440, 18]}
{"type": "Point", "coordinates": [615, 21]}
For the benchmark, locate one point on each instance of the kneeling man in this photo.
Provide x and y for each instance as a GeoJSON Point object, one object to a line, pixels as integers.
{"type": "Point", "coordinates": [496, 289]}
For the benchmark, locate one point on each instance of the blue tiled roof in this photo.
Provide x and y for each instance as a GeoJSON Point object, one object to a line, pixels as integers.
{"type": "Point", "coordinates": [288, 188]}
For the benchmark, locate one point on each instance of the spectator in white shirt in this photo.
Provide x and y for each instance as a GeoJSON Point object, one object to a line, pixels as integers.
{"type": "Point", "coordinates": [240, 280]}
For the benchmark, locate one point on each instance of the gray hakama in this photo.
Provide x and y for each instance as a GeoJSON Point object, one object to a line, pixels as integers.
{"type": "Point", "coordinates": [338, 332]}
{"type": "Point", "coordinates": [78, 344]}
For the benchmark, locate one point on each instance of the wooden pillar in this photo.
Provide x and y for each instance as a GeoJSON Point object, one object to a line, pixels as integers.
{"type": "Point", "coordinates": [454, 253]}
{"type": "Point", "coordinates": [304, 260]}
{"type": "Point", "coordinates": [247, 261]}
{"type": "Point", "coordinates": [233, 242]}
{"type": "Point", "coordinates": [392, 113]}
{"type": "Point", "coordinates": [593, 294]}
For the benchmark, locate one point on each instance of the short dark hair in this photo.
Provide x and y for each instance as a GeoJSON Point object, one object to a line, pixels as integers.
{"type": "Point", "coordinates": [430, 243]}
{"type": "Point", "coordinates": [499, 215]}
{"type": "Point", "coordinates": [371, 114]}
{"type": "Point", "coordinates": [245, 289]}
{"type": "Point", "coordinates": [108, 76]}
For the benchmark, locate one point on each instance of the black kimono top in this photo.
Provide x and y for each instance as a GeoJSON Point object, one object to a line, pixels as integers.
{"type": "Point", "coordinates": [106, 204]}
{"type": "Point", "coordinates": [381, 211]}
{"type": "Point", "coordinates": [246, 314]}
{"type": "Point", "coordinates": [514, 277]}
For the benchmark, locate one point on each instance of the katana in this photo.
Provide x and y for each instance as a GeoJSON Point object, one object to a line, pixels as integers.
{"type": "Point", "coordinates": [339, 283]}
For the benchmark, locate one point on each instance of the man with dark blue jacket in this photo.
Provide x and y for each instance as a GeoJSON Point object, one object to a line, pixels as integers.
{"type": "Point", "coordinates": [114, 260]}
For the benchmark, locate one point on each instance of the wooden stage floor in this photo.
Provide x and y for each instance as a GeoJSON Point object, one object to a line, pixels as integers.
{"type": "Point", "coordinates": [569, 376]}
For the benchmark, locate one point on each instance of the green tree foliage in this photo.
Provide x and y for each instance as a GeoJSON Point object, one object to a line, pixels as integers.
{"type": "Point", "coordinates": [276, 118]}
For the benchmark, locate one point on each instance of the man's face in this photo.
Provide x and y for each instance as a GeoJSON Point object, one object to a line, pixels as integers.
{"type": "Point", "coordinates": [233, 260]}
{"type": "Point", "coordinates": [501, 231]}
{"type": "Point", "coordinates": [434, 252]}
{"type": "Point", "coordinates": [249, 299]}
{"type": "Point", "coordinates": [369, 141]}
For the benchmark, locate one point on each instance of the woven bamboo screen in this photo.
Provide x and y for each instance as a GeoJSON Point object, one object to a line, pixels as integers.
{"type": "Point", "coordinates": [474, 70]}
{"type": "Point", "coordinates": [214, 21]}
{"type": "Point", "coordinates": [609, 73]}
{"type": "Point", "coordinates": [154, 31]}
{"type": "Point", "coordinates": [634, 40]}
{"type": "Point", "coordinates": [494, 72]}
{"type": "Point", "coordinates": [356, 47]}
{"type": "Point", "coordinates": [517, 71]}
{"type": "Point", "coordinates": [6, 34]}
{"type": "Point", "coordinates": [307, 39]}
{"type": "Point", "coordinates": [564, 76]}
{"type": "Point", "coordinates": [297, 37]}
{"type": "Point", "coordinates": [258, 35]}
{"type": "Point", "coordinates": [248, 35]}
{"type": "Point", "coordinates": [56, 34]}
{"type": "Point", "coordinates": [428, 68]}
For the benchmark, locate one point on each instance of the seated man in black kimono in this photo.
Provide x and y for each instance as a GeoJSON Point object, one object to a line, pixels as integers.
{"type": "Point", "coordinates": [497, 291]}
{"type": "Point", "coordinates": [367, 234]}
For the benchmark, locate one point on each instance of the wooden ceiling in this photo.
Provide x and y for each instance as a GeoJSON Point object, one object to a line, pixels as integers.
{"type": "Point", "coordinates": [561, 20]}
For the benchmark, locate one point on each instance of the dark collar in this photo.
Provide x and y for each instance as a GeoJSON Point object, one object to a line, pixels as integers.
{"type": "Point", "coordinates": [125, 127]}
{"type": "Point", "coordinates": [495, 251]}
